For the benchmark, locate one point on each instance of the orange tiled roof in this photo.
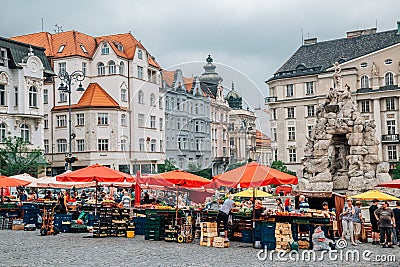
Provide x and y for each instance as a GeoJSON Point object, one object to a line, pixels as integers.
{"type": "Point", "coordinates": [262, 139]}
{"type": "Point", "coordinates": [168, 77]}
{"type": "Point", "coordinates": [73, 40]}
{"type": "Point", "coordinates": [93, 97]}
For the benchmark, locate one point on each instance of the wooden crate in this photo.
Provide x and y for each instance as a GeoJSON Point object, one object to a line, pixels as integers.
{"type": "Point", "coordinates": [207, 242]}
{"type": "Point", "coordinates": [208, 225]}
{"type": "Point", "coordinates": [221, 244]}
{"type": "Point", "coordinates": [208, 234]}
{"type": "Point", "coordinates": [285, 238]}
{"type": "Point", "coordinates": [209, 230]}
{"type": "Point", "coordinates": [17, 227]}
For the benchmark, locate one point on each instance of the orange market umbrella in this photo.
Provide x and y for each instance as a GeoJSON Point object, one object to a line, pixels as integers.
{"type": "Point", "coordinates": [7, 182]}
{"type": "Point", "coordinates": [252, 175]}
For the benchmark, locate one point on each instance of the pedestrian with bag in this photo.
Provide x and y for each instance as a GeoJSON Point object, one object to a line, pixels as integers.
{"type": "Point", "coordinates": [347, 224]}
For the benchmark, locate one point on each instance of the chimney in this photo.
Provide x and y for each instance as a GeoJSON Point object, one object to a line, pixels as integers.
{"type": "Point", "coordinates": [310, 41]}
{"type": "Point", "coordinates": [398, 27]}
{"type": "Point", "coordinates": [357, 33]}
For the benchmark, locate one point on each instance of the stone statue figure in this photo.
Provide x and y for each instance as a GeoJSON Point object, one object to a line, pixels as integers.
{"type": "Point", "coordinates": [309, 149]}
{"type": "Point", "coordinates": [342, 158]}
{"type": "Point", "coordinates": [346, 96]}
{"type": "Point", "coordinates": [332, 96]}
{"type": "Point", "coordinates": [337, 76]}
{"type": "Point", "coordinates": [375, 70]}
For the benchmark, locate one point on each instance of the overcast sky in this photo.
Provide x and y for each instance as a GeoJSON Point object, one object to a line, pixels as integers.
{"type": "Point", "coordinates": [248, 39]}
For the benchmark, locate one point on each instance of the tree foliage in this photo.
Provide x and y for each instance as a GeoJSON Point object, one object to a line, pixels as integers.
{"type": "Point", "coordinates": [167, 166]}
{"type": "Point", "coordinates": [396, 171]}
{"type": "Point", "coordinates": [280, 166]}
{"type": "Point", "coordinates": [235, 165]}
{"type": "Point", "coordinates": [197, 169]}
{"type": "Point", "coordinates": [16, 158]}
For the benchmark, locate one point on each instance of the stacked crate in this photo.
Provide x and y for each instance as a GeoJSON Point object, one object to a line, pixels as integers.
{"type": "Point", "coordinates": [130, 229]}
{"type": "Point", "coordinates": [283, 235]}
{"type": "Point", "coordinates": [31, 213]}
{"type": "Point", "coordinates": [208, 233]}
{"type": "Point", "coordinates": [62, 222]}
{"type": "Point", "coordinates": [155, 227]}
{"type": "Point", "coordinates": [219, 242]}
{"type": "Point", "coordinates": [171, 233]}
{"type": "Point", "coordinates": [104, 227]}
{"type": "Point", "coordinates": [140, 223]}
{"type": "Point", "coordinates": [267, 235]}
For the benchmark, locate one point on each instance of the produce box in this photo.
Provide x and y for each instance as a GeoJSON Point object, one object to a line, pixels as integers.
{"type": "Point", "coordinates": [18, 227]}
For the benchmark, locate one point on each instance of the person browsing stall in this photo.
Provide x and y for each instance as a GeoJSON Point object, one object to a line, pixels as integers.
{"type": "Point", "coordinates": [357, 220]}
{"type": "Point", "coordinates": [385, 217]}
{"type": "Point", "coordinates": [288, 205]}
{"type": "Point", "coordinates": [347, 224]}
{"type": "Point", "coordinates": [223, 214]}
{"type": "Point", "coordinates": [279, 205]}
{"type": "Point", "coordinates": [303, 206]}
{"type": "Point", "coordinates": [374, 222]}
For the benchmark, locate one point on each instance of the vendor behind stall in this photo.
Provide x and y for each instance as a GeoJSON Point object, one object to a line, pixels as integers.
{"type": "Point", "coordinates": [223, 214]}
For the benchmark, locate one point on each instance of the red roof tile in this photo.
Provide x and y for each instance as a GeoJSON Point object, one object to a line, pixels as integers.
{"type": "Point", "coordinates": [262, 139]}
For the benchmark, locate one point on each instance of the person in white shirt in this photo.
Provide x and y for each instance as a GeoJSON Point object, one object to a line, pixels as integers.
{"type": "Point", "coordinates": [126, 201]}
{"type": "Point", "coordinates": [223, 214]}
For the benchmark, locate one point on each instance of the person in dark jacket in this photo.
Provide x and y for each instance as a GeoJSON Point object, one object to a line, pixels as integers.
{"type": "Point", "coordinates": [374, 222]}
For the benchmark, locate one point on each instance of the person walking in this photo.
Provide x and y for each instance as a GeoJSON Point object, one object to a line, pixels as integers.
{"type": "Point", "coordinates": [374, 222]}
{"type": "Point", "coordinates": [384, 216]}
{"type": "Point", "coordinates": [223, 214]}
{"type": "Point", "coordinates": [396, 213]}
{"type": "Point", "coordinates": [357, 220]}
{"type": "Point", "coordinates": [62, 201]}
{"type": "Point", "coordinates": [328, 230]}
{"type": "Point", "coordinates": [347, 224]}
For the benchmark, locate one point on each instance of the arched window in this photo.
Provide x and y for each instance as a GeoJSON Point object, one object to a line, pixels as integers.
{"type": "Point", "coordinates": [101, 69]}
{"type": "Point", "coordinates": [124, 143]}
{"type": "Point", "coordinates": [25, 133]}
{"type": "Point", "coordinates": [121, 68]}
{"type": "Point", "coordinates": [389, 78]}
{"type": "Point", "coordinates": [153, 145]}
{"type": "Point", "coordinates": [111, 67]}
{"type": "Point", "coordinates": [2, 133]}
{"type": "Point", "coordinates": [140, 97]}
{"type": "Point", "coordinates": [364, 81]}
{"type": "Point", "coordinates": [140, 54]}
{"type": "Point", "coordinates": [32, 97]}
{"type": "Point", "coordinates": [105, 50]}
{"type": "Point", "coordinates": [152, 99]}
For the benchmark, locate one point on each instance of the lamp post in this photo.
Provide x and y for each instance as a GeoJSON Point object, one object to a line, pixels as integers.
{"type": "Point", "coordinates": [65, 86]}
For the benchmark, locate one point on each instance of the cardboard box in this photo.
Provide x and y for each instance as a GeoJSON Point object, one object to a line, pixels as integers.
{"type": "Point", "coordinates": [18, 227]}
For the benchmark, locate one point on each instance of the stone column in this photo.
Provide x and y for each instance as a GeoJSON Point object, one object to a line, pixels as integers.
{"type": "Point", "coordinates": [379, 124]}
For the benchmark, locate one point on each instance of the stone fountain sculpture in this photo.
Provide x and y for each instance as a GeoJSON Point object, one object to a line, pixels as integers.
{"type": "Point", "coordinates": [342, 152]}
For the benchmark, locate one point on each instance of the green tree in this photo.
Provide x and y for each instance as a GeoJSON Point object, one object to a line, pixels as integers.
{"type": "Point", "coordinates": [167, 166]}
{"type": "Point", "coordinates": [16, 158]}
{"type": "Point", "coordinates": [280, 166]}
{"type": "Point", "coordinates": [235, 165]}
{"type": "Point", "coordinates": [197, 169]}
{"type": "Point", "coordinates": [396, 171]}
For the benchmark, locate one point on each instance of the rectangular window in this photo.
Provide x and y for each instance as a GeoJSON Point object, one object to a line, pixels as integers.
{"type": "Point", "coordinates": [290, 113]}
{"type": "Point", "coordinates": [392, 153]}
{"type": "Point", "coordinates": [309, 130]}
{"type": "Point", "coordinates": [153, 122]}
{"type": "Point", "coordinates": [80, 119]}
{"type": "Point", "coordinates": [2, 95]}
{"type": "Point", "coordinates": [224, 151]}
{"type": "Point", "coordinates": [123, 120]}
{"type": "Point", "coordinates": [292, 155]}
{"type": "Point", "coordinates": [16, 97]}
{"type": "Point", "coordinates": [61, 145]}
{"type": "Point", "coordinates": [161, 146]}
{"type": "Point", "coordinates": [309, 88]}
{"type": "Point", "coordinates": [123, 145]}
{"type": "Point", "coordinates": [273, 112]}
{"type": "Point", "coordinates": [231, 141]}
{"type": "Point", "coordinates": [102, 144]}
{"type": "Point", "coordinates": [179, 143]}
{"type": "Point", "coordinates": [45, 96]}
{"type": "Point", "coordinates": [310, 111]}
{"type": "Point", "coordinates": [61, 120]}
{"type": "Point", "coordinates": [289, 90]}
{"type": "Point", "coordinates": [141, 144]}
{"type": "Point", "coordinates": [102, 118]}
{"type": "Point", "coordinates": [80, 145]}
{"type": "Point", "coordinates": [46, 146]}
{"type": "Point", "coordinates": [62, 66]}
{"type": "Point", "coordinates": [291, 134]}
{"type": "Point", "coordinates": [390, 104]}
{"type": "Point", "coordinates": [141, 120]}
{"type": "Point", "coordinates": [84, 67]}
{"type": "Point", "coordinates": [161, 124]}
{"type": "Point", "coordinates": [46, 121]}
{"type": "Point", "coordinates": [391, 127]}
{"type": "Point", "coordinates": [62, 96]}
{"type": "Point", "coordinates": [196, 127]}
{"type": "Point", "coordinates": [124, 95]}
{"type": "Point", "coordinates": [274, 135]}
{"type": "Point", "coordinates": [365, 106]}
{"type": "Point", "coordinates": [224, 135]}
{"type": "Point", "coordinates": [140, 72]}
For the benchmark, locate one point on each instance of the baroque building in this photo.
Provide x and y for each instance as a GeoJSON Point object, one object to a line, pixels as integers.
{"type": "Point", "coordinates": [24, 70]}
{"type": "Point", "coordinates": [117, 121]}
{"type": "Point", "coordinates": [187, 121]}
{"type": "Point", "coordinates": [369, 66]}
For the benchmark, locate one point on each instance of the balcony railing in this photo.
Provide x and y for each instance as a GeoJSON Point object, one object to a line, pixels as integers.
{"type": "Point", "coordinates": [270, 99]}
{"type": "Point", "coordinates": [390, 138]}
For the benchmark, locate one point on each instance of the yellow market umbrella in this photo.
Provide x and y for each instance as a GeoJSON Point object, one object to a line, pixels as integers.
{"type": "Point", "coordinates": [374, 194]}
{"type": "Point", "coordinates": [249, 193]}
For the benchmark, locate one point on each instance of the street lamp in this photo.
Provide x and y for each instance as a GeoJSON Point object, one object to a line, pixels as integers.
{"type": "Point", "coordinates": [65, 86]}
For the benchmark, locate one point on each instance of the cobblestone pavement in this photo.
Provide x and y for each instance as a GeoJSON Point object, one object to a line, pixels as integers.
{"type": "Point", "coordinates": [19, 248]}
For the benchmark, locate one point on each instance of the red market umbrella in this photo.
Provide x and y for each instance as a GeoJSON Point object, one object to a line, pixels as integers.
{"type": "Point", "coordinates": [392, 184]}
{"type": "Point", "coordinates": [10, 182]}
{"type": "Point", "coordinates": [95, 173]}
{"type": "Point", "coordinates": [252, 175]}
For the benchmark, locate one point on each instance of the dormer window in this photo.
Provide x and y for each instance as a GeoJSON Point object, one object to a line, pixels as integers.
{"type": "Point", "coordinates": [388, 61]}
{"type": "Point", "coordinates": [105, 50]}
{"type": "Point", "coordinates": [140, 54]}
{"type": "Point", "coordinates": [84, 49]}
{"type": "Point", "coordinates": [364, 65]}
{"type": "Point", "coordinates": [119, 47]}
{"type": "Point", "coordinates": [3, 57]}
{"type": "Point", "coordinates": [61, 49]}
